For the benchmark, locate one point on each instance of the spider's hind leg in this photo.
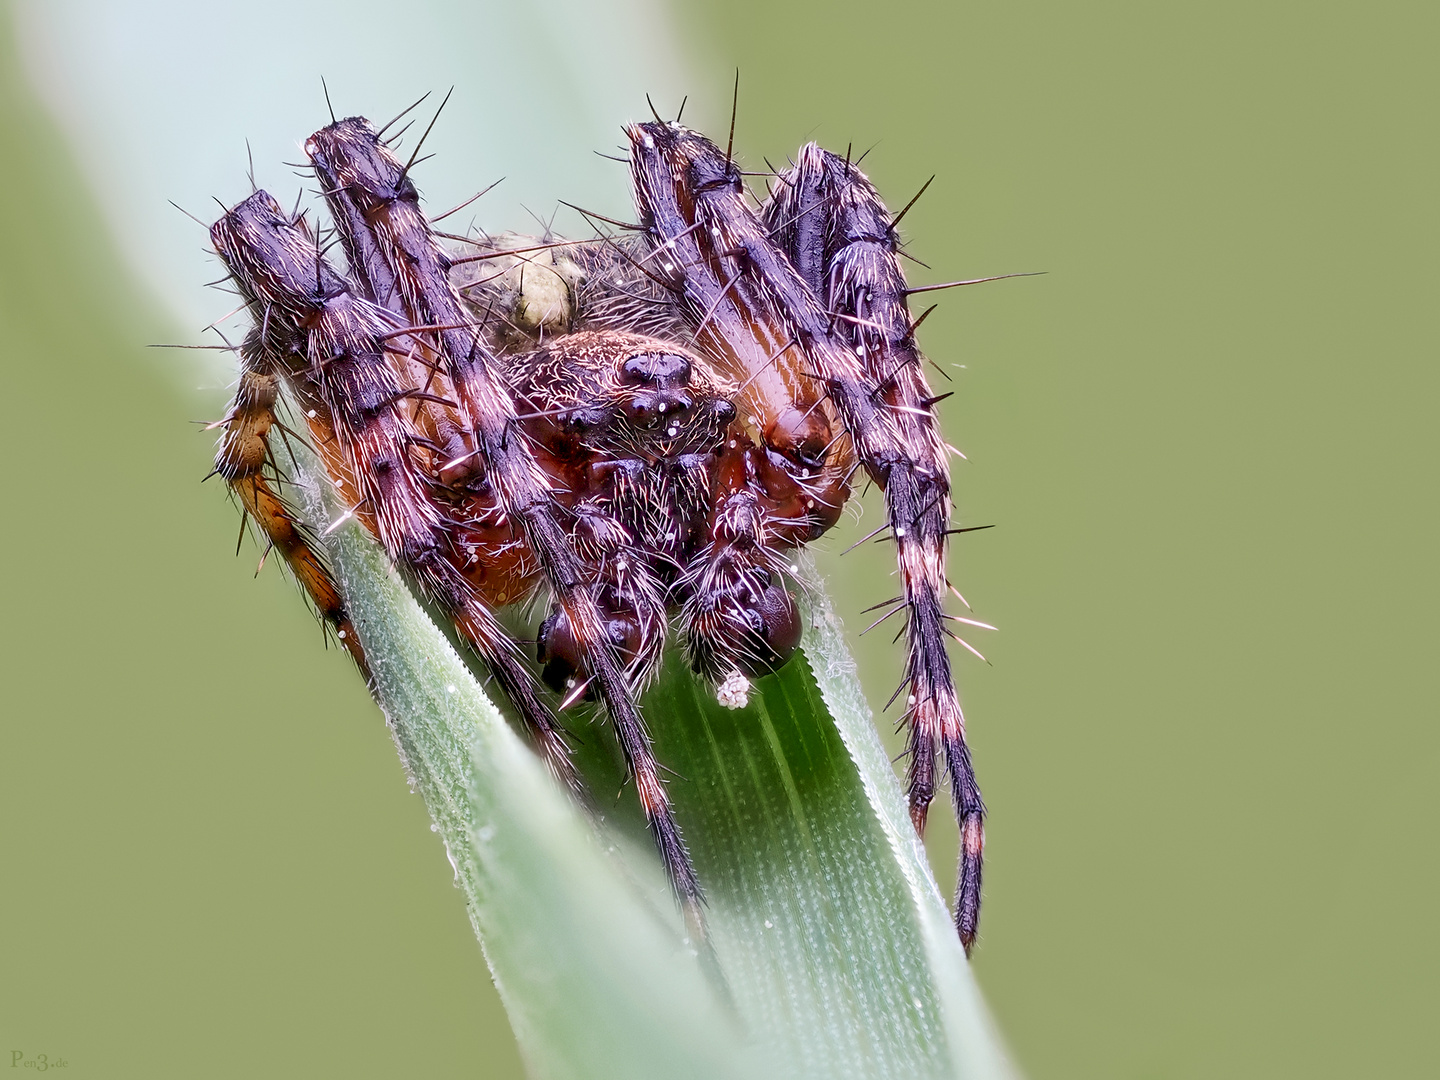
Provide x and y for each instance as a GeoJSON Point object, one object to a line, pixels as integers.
{"type": "Point", "coordinates": [829, 219]}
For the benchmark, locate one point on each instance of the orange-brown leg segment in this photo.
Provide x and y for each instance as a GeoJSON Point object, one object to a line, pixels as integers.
{"type": "Point", "coordinates": [732, 277]}
{"type": "Point", "coordinates": [243, 455]}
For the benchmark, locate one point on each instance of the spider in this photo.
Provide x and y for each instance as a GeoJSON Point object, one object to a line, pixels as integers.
{"type": "Point", "coordinates": [637, 427]}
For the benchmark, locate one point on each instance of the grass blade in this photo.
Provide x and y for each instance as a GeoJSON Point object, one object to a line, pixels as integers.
{"type": "Point", "coordinates": [833, 953]}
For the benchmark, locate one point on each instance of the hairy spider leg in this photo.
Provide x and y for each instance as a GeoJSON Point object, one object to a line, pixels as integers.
{"type": "Point", "coordinates": [369, 190]}
{"type": "Point", "coordinates": [683, 180]}
{"type": "Point", "coordinates": [786, 478]}
{"type": "Point", "coordinates": [243, 453]}
{"type": "Point", "coordinates": [829, 219]}
{"type": "Point", "coordinates": [332, 345]}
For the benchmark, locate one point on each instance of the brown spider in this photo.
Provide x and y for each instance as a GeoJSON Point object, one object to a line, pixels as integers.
{"type": "Point", "coordinates": [637, 425]}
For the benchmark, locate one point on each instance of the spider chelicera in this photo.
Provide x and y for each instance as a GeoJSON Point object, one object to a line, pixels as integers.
{"type": "Point", "coordinates": [641, 425]}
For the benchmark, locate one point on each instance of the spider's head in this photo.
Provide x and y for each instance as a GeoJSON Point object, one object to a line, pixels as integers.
{"type": "Point", "coordinates": [628, 394]}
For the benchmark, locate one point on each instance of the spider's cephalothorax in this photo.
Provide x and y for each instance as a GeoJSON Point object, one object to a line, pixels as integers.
{"type": "Point", "coordinates": [639, 434]}
{"type": "Point", "coordinates": [640, 427]}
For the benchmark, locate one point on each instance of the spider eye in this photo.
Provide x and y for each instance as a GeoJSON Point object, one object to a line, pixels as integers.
{"type": "Point", "coordinates": [663, 370]}
{"type": "Point", "coordinates": [585, 418]}
{"type": "Point", "coordinates": [650, 409]}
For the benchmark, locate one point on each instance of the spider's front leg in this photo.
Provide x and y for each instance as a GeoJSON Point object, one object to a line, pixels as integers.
{"type": "Point", "coordinates": [734, 277]}
{"type": "Point", "coordinates": [389, 242]}
{"type": "Point", "coordinates": [332, 346]}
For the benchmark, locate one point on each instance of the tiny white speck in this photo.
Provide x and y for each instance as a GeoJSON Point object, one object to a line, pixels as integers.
{"type": "Point", "coordinates": [312, 414]}
{"type": "Point", "coordinates": [734, 692]}
{"type": "Point", "coordinates": [910, 700]}
{"type": "Point", "coordinates": [649, 142]}
{"type": "Point", "coordinates": [569, 684]}
{"type": "Point", "coordinates": [769, 925]}
{"type": "Point", "coordinates": [450, 689]}
{"type": "Point", "coordinates": [485, 833]}
{"type": "Point", "coordinates": [669, 268]}
{"type": "Point", "coordinates": [900, 530]}
{"type": "Point", "coordinates": [859, 350]}
{"type": "Point", "coordinates": [794, 568]}
{"type": "Point", "coordinates": [340, 634]}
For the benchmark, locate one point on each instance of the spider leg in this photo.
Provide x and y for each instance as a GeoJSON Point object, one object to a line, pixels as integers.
{"type": "Point", "coordinates": [244, 450]}
{"type": "Point", "coordinates": [331, 344]}
{"type": "Point", "coordinates": [376, 208]}
{"type": "Point", "coordinates": [681, 180]}
{"type": "Point", "coordinates": [827, 216]}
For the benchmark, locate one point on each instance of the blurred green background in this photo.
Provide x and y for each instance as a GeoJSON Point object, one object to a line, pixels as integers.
{"type": "Point", "coordinates": [1208, 737]}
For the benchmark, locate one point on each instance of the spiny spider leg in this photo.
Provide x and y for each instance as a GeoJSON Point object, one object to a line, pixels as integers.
{"type": "Point", "coordinates": [828, 217]}
{"type": "Point", "coordinates": [332, 345]}
{"type": "Point", "coordinates": [730, 264]}
{"type": "Point", "coordinates": [375, 206]}
{"type": "Point", "coordinates": [241, 459]}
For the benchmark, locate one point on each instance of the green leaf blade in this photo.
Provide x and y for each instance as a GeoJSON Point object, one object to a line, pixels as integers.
{"type": "Point", "coordinates": [830, 951]}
